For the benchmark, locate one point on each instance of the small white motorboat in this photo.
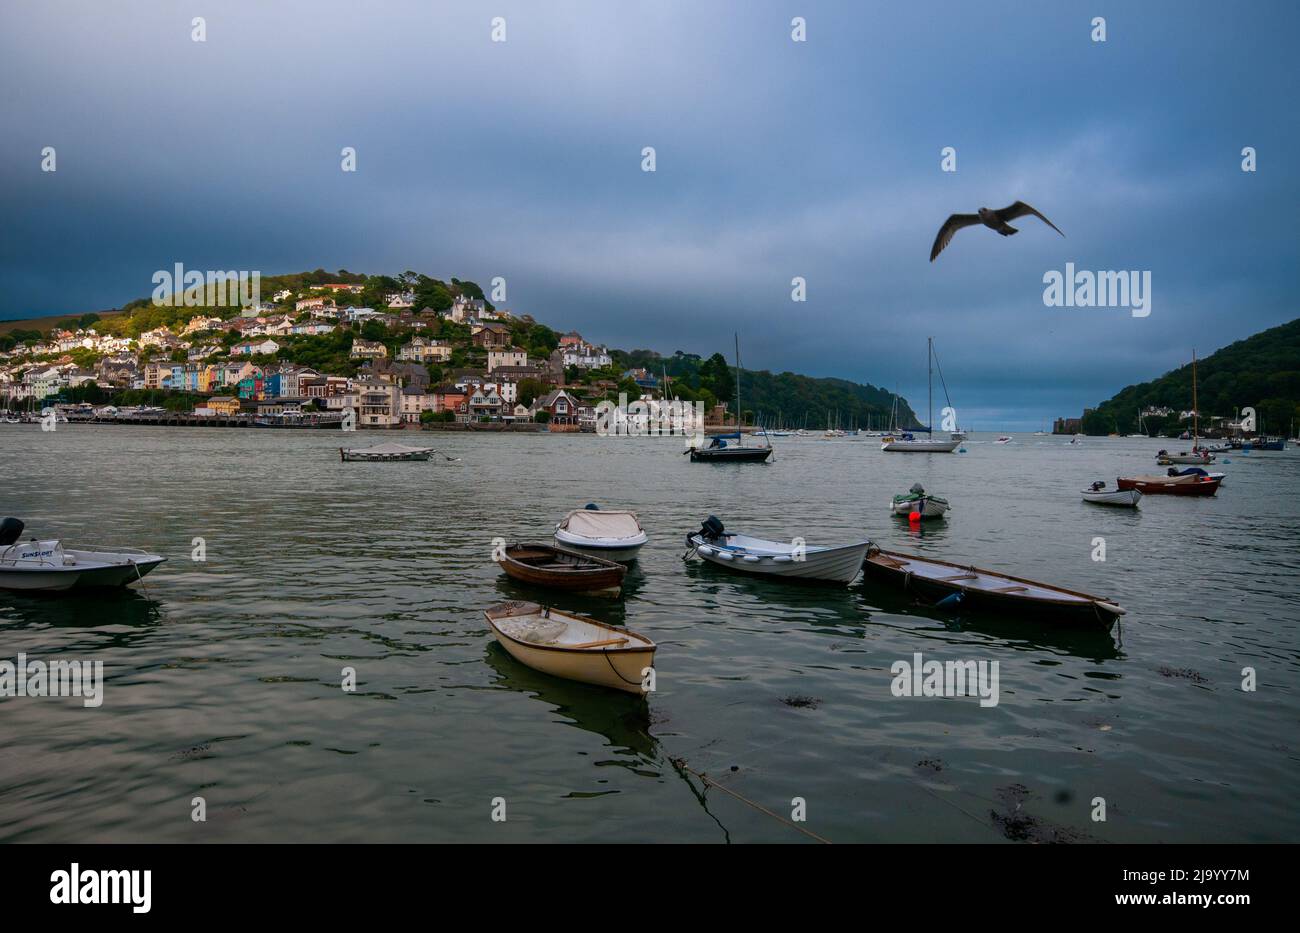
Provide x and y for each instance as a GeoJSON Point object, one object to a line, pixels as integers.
{"type": "Point", "coordinates": [1005, 439]}
{"type": "Point", "coordinates": [47, 566]}
{"type": "Point", "coordinates": [919, 502]}
{"type": "Point", "coordinates": [1198, 457]}
{"type": "Point", "coordinates": [573, 647]}
{"type": "Point", "coordinates": [383, 453]}
{"type": "Point", "coordinates": [790, 561]}
{"type": "Point", "coordinates": [1098, 493]}
{"type": "Point", "coordinates": [614, 534]}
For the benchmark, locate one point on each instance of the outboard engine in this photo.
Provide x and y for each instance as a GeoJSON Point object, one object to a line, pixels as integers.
{"type": "Point", "coordinates": [917, 489]}
{"type": "Point", "coordinates": [10, 530]}
{"type": "Point", "coordinates": [591, 507]}
{"type": "Point", "coordinates": [1098, 486]}
{"type": "Point", "coordinates": [711, 528]}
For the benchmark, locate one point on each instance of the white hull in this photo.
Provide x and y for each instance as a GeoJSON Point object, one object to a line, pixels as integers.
{"type": "Point", "coordinates": [931, 507]}
{"type": "Point", "coordinates": [73, 569]}
{"type": "Point", "coordinates": [777, 559]}
{"type": "Point", "coordinates": [620, 552]}
{"type": "Point", "coordinates": [571, 647]}
{"type": "Point", "coordinates": [1127, 498]}
{"type": "Point", "coordinates": [920, 447]}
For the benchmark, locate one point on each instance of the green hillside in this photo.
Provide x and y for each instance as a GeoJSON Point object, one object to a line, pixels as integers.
{"type": "Point", "coordinates": [1261, 372]}
{"type": "Point", "coordinates": [772, 398]}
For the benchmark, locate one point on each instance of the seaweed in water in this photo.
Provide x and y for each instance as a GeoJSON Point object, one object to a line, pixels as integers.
{"type": "Point", "coordinates": [1019, 826]}
{"type": "Point", "coordinates": [1186, 673]}
{"type": "Point", "coordinates": [801, 702]}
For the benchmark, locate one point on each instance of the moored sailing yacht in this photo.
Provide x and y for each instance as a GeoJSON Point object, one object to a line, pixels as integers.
{"type": "Point", "coordinates": [718, 451]}
{"type": "Point", "coordinates": [1199, 455]}
{"type": "Point", "coordinates": [909, 444]}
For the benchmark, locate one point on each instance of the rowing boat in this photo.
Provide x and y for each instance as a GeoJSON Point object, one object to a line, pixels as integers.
{"type": "Point", "coordinates": [560, 568]}
{"type": "Point", "coordinates": [573, 647]}
{"type": "Point", "coordinates": [978, 590]}
{"type": "Point", "coordinates": [795, 560]}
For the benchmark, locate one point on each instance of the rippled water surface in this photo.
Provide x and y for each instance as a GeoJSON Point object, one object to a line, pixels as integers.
{"type": "Point", "coordinates": [222, 677]}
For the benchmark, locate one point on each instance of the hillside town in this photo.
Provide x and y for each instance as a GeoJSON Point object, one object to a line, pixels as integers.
{"type": "Point", "coordinates": [391, 368]}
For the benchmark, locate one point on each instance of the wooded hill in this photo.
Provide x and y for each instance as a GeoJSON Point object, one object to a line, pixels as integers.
{"type": "Point", "coordinates": [1261, 372]}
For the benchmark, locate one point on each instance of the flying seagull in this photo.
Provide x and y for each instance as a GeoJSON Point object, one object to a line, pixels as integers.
{"type": "Point", "coordinates": [994, 220]}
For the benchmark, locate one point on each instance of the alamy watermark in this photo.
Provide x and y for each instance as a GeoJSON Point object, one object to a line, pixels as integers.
{"type": "Point", "coordinates": [217, 288]}
{"type": "Point", "coordinates": [651, 418]}
{"type": "Point", "coordinates": [920, 678]}
{"type": "Point", "coordinates": [1084, 289]}
{"type": "Point", "coordinates": [32, 678]}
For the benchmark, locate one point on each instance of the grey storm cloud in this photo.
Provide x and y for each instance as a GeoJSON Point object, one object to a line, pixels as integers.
{"type": "Point", "coordinates": [775, 159]}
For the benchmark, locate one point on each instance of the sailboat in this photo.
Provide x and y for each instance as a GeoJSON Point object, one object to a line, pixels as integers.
{"type": "Point", "coordinates": [719, 451]}
{"type": "Point", "coordinates": [907, 443]}
{"type": "Point", "coordinates": [1199, 454]}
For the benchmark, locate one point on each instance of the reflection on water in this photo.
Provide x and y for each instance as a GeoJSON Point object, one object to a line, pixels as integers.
{"type": "Point", "coordinates": [621, 719]}
{"type": "Point", "coordinates": [781, 688]}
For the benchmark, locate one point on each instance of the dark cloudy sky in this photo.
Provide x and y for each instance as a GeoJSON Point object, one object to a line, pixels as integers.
{"type": "Point", "coordinates": [775, 159]}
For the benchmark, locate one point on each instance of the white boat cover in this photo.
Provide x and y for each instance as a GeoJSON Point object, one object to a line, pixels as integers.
{"type": "Point", "coordinates": [590, 523]}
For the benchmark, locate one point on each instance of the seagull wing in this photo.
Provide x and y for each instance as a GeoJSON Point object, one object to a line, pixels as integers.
{"type": "Point", "coordinates": [949, 229]}
{"type": "Point", "coordinates": [1020, 209]}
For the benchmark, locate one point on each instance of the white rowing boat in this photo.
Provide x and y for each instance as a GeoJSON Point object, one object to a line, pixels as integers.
{"type": "Point", "coordinates": [795, 560]}
{"type": "Point", "coordinates": [573, 647]}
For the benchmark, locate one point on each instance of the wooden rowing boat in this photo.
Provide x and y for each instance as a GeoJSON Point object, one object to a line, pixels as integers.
{"type": "Point", "coordinates": [573, 647]}
{"type": "Point", "coordinates": [970, 588]}
{"type": "Point", "coordinates": [562, 569]}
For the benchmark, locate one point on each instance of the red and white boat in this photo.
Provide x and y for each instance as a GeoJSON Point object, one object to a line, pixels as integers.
{"type": "Point", "coordinates": [1193, 482]}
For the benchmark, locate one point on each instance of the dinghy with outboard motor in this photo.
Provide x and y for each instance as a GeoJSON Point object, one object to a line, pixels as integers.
{"type": "Point", "coordinates": [48, 566]}
{"type": "Point", "coordinates": [1098, 494]}
{"type": "Point", "coordinates": [795, 560]}
{"type": "Point", "coordinates": [917, 502]}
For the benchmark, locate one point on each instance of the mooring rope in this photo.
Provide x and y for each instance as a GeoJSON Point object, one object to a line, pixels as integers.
{"type": "Point", "coordinates": [708, 781]}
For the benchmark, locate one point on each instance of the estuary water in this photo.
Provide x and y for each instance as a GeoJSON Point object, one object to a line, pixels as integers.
{"type": "Point", "coordinates": [222, 676]}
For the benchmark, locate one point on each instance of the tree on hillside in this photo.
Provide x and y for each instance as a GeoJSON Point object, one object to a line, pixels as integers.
{"type": "Point", "coordinates": [716, 376]}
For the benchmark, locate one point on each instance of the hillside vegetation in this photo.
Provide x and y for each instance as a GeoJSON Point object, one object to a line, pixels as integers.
{"type": "Point", "coordinates": [1261, 372]}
